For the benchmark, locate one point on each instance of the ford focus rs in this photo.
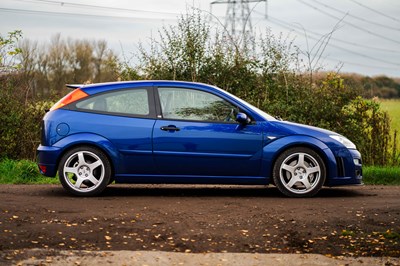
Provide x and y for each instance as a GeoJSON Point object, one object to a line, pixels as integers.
{"type": "Point", "coordinates": [185, 133]}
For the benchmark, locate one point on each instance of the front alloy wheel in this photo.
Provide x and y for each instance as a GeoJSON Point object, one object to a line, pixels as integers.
{"type": "Point", "coordinates": [84, 171]}
{"type": "Point", "coordinates": [299, 172]}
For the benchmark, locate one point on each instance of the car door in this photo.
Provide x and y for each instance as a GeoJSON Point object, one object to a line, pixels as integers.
{"type": "Point", "coordinates": [198, 136]}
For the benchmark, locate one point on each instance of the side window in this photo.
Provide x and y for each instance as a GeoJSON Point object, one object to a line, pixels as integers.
{"type": "Point", "coordinates": [190, 104]}
{"type": "Point", "coordinates": [130, 102]}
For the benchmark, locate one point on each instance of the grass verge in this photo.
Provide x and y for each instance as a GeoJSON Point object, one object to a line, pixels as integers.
{"type": "Point", "coordinates": [26, 172]}
{"type": "Point", "coordinates": [379, 175]}
{"type": "Point", "coordinates": [22, 172]}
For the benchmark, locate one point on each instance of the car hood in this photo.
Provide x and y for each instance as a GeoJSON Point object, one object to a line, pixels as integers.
{"type": "Point", "coordinates": [302, 129]}
{"type": "Point", "coordinates": [285, 128]}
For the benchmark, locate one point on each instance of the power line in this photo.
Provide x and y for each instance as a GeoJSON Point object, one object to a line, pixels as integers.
{"type": "Point", "coordinates": [336, 39]}
{"type": "Point", "coordinates": [341, 61]}
{"type": "Point", "coordinates": [356, 17]}
{"type": "Point", "coordinates": [351, 24]}
{"type": "Point", "coordinates": [339, 40]}
{"type": "Point", "coordinates": [338, 47]}
{"type": "Point", "coordinates": [61, 3]}
{"type": "Point", "coordinates": [376, 11]}
{"type": "Point", "coordinates": [361, 65]}
{"type": "Point", "coordinates": [147, 11]}
{"type": "Point", "coordinates": [12, 10]}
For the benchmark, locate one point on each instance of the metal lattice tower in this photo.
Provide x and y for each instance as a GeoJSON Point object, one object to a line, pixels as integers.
{"type": "Point", "coordinates": [238, 17]}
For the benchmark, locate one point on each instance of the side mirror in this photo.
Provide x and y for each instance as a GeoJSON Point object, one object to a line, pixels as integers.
{"type": "Point", "coordinates": [242, 118]}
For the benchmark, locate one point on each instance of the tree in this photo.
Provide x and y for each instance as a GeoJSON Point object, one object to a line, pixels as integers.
{"type": "Point", "coordinates": [9, 51]}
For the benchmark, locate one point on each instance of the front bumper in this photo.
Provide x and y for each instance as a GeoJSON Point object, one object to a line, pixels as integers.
{"type": "Point", "coordinates": [349, 169]}
{"type": "Point", "coordinates": [47, 160]}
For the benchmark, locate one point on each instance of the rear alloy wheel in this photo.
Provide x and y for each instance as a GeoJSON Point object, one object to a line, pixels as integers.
{"type": "Point", "coordinates": [299, 172]}
{"type": "Point", "coordinates": [84, 171]}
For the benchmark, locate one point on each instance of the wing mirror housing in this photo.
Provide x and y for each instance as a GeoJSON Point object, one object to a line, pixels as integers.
{"type": "Point", "coordinates": [242, 118]}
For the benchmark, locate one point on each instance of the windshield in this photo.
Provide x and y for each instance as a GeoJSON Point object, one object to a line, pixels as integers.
{"type": "Point", "coordinates": [252, 107]}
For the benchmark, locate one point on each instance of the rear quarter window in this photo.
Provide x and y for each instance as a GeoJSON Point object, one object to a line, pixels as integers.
{"type": "Point", "coordinates": [129, 102]}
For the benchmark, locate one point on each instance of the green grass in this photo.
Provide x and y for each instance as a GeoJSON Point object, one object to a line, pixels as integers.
{"type": "Point", "coordinates": [374, 175]}
{"type": "Point", "coordinates": [22, 172]}
{"type": "Point", "coordinates": [393, 108]}
{"type": "Point", "coordinates": [26, 172]}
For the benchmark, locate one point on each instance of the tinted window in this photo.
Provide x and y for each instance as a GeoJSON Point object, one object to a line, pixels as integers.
{"type": "Point", "coordinates": [189, 104]}
{"type": "Point", "coordinates": [132, 102]}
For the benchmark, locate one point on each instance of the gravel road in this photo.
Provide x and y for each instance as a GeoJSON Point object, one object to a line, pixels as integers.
{"type": "Point", "coordinates": [199, 224]}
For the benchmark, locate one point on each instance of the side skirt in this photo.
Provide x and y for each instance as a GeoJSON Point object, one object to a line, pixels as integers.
{"type": "Point", "coordinates": [190, 179]}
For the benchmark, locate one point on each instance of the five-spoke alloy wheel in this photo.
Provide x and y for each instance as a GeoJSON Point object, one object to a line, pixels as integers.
{"type": "Point", "coordinates": [84, 171]}
{"type": "Point", "coordinates": [299, 172]}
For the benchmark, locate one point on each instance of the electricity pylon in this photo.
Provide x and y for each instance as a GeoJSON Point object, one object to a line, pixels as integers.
{"type": "Point", "coordinates": [238, 18]}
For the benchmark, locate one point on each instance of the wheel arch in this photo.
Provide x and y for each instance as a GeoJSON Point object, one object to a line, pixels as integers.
{"type": "Point", "coordinates": [91, 140]}
{"type": "Point", "coordinates": [273, 150]}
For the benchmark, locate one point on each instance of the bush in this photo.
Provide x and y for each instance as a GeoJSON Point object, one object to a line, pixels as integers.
{"type": "Point", "coordinates": [20, 120]}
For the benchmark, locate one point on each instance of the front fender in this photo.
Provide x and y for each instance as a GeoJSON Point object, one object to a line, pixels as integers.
{"type": "Point", "coordinates": [273, 149]}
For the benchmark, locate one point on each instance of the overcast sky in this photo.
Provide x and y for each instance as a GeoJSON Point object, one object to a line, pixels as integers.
{"type": "Point", "coordinates": [367, 40]}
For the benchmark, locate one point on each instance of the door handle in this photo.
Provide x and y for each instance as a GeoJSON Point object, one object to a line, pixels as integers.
{"type": "Point", "coordinates": [170, 128]}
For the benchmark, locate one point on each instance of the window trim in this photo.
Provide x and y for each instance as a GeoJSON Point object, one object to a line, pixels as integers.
{"type": "Point", "coordinates": [150, 99]}
{"type": "Point", "coordinates": [161, 117]}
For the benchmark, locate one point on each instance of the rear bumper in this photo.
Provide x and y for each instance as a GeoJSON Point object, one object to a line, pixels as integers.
{"type": "Point", "coordinates": [47, 160]}
{"type": "Point", "coordinates": [349, 170]}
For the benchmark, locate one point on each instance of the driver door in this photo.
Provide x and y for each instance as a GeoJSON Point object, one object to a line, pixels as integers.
{"type": "Point", "coordinates": [198, 136]}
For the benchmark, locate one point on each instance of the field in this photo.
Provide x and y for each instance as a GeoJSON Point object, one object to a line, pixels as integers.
{"type": "Point", "coordinates": [393, 108]}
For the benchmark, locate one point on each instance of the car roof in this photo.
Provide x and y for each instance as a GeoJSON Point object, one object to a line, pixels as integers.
{"type": "Point", "coordinates": [139, 82]}
{"type": "Point", "coordinates": [108, 86]}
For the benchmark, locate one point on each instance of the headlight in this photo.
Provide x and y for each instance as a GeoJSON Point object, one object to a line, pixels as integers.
{"type": "Point", "coordinates": [346, 142]}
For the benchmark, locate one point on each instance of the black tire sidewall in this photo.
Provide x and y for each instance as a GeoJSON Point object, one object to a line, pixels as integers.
{"type": "Point", "coordinates": [283, 156]}
{"type": "Point", "coordinates": [107, 171]}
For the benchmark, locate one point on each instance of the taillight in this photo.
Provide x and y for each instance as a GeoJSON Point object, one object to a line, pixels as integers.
{"type": "Point", "coordinates": [69, 98]}
{"type": "Point", "coordinates": [42, 169]}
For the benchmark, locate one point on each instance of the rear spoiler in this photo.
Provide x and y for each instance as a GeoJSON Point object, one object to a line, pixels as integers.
{"type": "Point", "coordinates": [74, 86]}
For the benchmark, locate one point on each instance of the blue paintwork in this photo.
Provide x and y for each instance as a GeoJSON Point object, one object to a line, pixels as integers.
{"type": "Point", "coordinates": [207, 149]}
{"type": "Point", "coordinates": [200, 152]}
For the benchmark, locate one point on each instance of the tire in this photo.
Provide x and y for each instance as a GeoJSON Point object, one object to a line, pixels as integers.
{"type": "Point", "coordinates": [84, 171]}
{"type": "Point", "coordinates": [299, 172]}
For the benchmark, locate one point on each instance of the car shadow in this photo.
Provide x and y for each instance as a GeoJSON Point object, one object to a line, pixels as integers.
{"type": "Point", "coordinates": [209, 191]}
{"type": "Point", "coordinates": [221, 191]}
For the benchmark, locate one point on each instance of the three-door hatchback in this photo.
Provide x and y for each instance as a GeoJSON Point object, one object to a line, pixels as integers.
{"type": "Point", "coordinates": [185, 133]}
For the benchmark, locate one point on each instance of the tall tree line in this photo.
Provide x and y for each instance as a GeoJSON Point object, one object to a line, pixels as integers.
{"type": "Point", "coordinates": [47, 67]}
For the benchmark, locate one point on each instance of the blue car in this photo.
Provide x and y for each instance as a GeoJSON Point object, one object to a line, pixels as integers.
{"type": "Point", "coordinates": [185, 133]}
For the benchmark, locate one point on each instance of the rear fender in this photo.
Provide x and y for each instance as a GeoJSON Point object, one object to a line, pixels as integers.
{"type": "Point", "coordinates": [98, 141]}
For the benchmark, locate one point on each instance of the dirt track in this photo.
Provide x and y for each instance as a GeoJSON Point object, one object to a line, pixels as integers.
{"type": "Point", "coordinates": [349, 221]}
